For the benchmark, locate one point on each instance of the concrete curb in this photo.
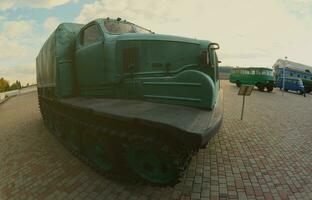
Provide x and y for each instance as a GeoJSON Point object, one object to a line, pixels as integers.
{"type": "Point", "coordinates": [14, 93]}
{"type": "Point", "coordinates": [4, 100]}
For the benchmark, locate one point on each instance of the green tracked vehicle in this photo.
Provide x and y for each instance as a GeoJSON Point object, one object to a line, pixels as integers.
{"type": "Point", "coordinates": [307, 85]}
{"type": "Point", "coordinates": [128, 100]}
{"type": "Point", "coordinates": [259, 76]}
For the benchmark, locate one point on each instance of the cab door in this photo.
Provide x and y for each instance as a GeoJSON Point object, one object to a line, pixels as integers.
{"type": "Point", "coordinates": [90, 59]}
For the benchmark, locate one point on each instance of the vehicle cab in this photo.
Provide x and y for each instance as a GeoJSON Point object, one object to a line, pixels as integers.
{"type": "Point", "coordinates": [292, 84]}
{"type": "Point", "coordinates": [118, 59]}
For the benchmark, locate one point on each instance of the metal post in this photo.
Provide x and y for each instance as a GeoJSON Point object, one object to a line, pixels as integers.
{"type": "Point", "coordinates": [243, 107]}
{"type": "Point", "coordinates": [283, 81]}
{"type": "Point", "coordinates": [284, 76]}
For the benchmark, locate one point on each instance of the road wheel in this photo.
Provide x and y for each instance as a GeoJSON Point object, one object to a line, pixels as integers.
{"type": "Point", "coordinates": [98, 152]}
{"type": "Point", "coordinates": [152, 164]}
{"type": "Point", "coordinates": [44, 113]}
{"type": "Point", "coordinates": [72, 136]}
{"type": "Point", "coordinates": [260, 87]}
{"type": "Point", "coordinates": [50, 120]}
{"type": "Point", "coordinates": [60, 127]}
{"type": "Point", "coordinates": [238, 83]}
{"type": "Point", "coordinates": [269, 87]}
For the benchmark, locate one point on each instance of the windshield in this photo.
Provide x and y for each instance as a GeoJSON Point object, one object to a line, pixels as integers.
{"type": "Point", "coordinates": [141, 30]}
{"type": "Point", "coordinates": [117, 28]}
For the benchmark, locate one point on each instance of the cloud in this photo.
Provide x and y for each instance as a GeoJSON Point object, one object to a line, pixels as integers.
{"type": "Point", "coordinates": [2, 18]}
{"type": "Point", "coordinates": [18, 28]}
{"type": "Point", "coordinates": [25, 73]}
{"type": "Point", "coordinates": [9, 4]}
{"type": "Point", "coordinates": [51, 23]}
{"type": "Point", "coordinates": [130, 9]}
{"type": "Point", "coordinates": [4, 5]}
{"type": "Point", "coordinates": [300, 7]}
{"type": "Point", "coordinates": [249, 32]}
{"type": "Point", "coordinates": [11, 49]}
{"type": "Point", "coordinates": [17, 38]}
{"type": "Point", "coordinates": [11, 36]}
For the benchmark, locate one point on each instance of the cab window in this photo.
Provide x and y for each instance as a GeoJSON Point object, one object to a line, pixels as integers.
{"type": "Point", "coordinates": [268, 73]}
{"type": "Point", "coordinates": [258, 72]}
{"type": "Point", "coordinates": [91, 34]}
{"type": "Point", "coordinates": [246, 71]}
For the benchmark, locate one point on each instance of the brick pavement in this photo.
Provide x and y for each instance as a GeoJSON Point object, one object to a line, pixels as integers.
{"type": "Point", "coordinates": [266, 156]}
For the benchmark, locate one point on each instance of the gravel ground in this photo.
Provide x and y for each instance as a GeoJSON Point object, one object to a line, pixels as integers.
{"type": "Point", "coordinates": [268, 155]}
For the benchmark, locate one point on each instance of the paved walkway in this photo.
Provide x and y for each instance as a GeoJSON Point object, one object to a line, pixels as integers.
{"type": "Point", "coordinates": [266, 156]}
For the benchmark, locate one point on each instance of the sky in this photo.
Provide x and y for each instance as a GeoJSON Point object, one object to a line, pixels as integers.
{"type": "Point", "coordinates": [250, 32]}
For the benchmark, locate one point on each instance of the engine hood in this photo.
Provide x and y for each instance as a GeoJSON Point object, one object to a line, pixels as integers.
{"type": "Point", "coordinates": [155, 37]}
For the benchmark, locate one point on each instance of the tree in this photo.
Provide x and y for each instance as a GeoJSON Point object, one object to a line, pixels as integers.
{"type": "Point", "coordinates": [4, 85]}
{"type": "Point", "coordinates": [16, 86]}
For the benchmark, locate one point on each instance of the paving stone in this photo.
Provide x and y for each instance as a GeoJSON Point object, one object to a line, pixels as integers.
{"type": "Point", "coordinates": [268, 155]}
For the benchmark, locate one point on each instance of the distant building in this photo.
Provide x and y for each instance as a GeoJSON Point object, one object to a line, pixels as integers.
{"type": "Point", "coordinates": [289, 69]}
{"type": "Point", "coordinates": [282, 63]}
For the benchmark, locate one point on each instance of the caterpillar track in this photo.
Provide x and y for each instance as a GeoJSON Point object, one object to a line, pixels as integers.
{"type": "Point", "coordinates": [125, 152]}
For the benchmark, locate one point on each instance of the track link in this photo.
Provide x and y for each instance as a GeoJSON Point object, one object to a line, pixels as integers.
{"type": "Point", "coordinates": [123, 138]}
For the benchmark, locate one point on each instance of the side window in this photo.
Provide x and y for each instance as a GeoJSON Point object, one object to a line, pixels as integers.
{"type": "Point", "coordinates": [91, 34]}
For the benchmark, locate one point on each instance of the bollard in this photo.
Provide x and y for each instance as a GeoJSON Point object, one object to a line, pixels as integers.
{"type": "Point", "coordinates": [244, 90]}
